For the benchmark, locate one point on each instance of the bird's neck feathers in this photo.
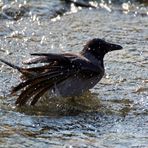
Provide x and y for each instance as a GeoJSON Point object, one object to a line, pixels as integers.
{"type": "Point", "coordinates": [95, 58]}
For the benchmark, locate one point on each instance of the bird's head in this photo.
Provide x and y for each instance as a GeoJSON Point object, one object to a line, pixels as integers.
{"type": "Point", "coordinates": [100, 47]}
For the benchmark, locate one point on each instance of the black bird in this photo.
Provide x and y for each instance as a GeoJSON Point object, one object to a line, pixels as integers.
{"type": "Point", "coordinates": [64, 74]}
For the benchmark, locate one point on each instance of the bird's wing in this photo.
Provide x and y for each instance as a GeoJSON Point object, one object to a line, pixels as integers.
{"type": "Point", "coordinates": [45, 58]}
{"type": "Point", "coordinates": [57, 61]}
{"type": "Point", "coordinates": [58, 68]}
{"type": "Point", "coordinates": [51, 61]}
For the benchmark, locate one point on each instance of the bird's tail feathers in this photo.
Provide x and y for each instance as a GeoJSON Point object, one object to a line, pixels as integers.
{"type": "Point", "coordinates": [12, 65]}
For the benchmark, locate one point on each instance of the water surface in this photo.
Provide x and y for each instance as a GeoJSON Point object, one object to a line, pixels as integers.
{"type": "Point", "coordinates": [115, 112]}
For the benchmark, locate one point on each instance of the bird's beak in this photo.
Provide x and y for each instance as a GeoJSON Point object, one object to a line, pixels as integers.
{"type": "Point", "coordinates": [114, 47]}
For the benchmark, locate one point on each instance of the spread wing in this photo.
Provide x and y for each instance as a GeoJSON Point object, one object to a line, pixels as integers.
{"type": "Point", "coordinates": [57, 68]}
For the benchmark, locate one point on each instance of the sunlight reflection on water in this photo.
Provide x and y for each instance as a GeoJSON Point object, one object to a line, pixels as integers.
{"type": "Point", "coordinates": [114, 113]}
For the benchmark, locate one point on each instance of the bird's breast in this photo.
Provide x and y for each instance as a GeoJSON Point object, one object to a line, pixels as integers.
{"type": "Point", "coordinates": [75, 86]}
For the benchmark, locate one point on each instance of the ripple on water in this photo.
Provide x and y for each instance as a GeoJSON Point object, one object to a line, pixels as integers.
{"type": "Point", "coordinates": [114, 114]}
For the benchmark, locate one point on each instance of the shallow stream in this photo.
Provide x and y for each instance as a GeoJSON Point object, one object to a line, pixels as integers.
{"type": "Point", "coordinates": [114, 113]}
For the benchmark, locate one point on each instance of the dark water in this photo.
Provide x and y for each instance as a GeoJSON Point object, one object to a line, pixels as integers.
{"type": "Point", "coordinates": [115, 112]}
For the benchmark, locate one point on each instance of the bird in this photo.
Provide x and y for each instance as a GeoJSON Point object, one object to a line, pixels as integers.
{"type": "Point", "coordinates": [62, 74]}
